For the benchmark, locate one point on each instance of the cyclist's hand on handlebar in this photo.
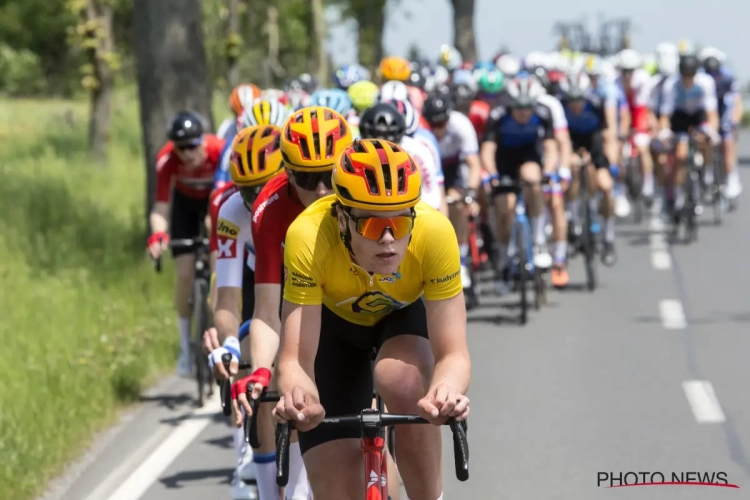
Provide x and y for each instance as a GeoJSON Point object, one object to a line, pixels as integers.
{"type": "Point", "coordinates": [300, 407]}
{"type": "Point", "coordinates": [443, 402]}
{"type": "Point", "coordinates": [157, 243]}
{"type": "Point", "coordinates": [231, 346]}
{"type": "Point", "coordinates": [259, 380]}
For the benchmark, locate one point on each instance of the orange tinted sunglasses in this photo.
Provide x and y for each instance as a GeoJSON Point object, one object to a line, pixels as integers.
{"type": "Point", "coordinates": [372, 228]}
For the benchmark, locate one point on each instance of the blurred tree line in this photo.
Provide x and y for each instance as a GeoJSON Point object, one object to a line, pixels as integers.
{"type": "Point", "coordinates": [179, 51]}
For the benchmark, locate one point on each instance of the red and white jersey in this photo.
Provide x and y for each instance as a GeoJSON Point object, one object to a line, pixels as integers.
{"type": "Point", "coordinates": [432, 173]}
{"type": "Point", "coordinates": [479, 113]}
{"type": "Point", "coordinates": [217, 199]}
{"type": "Point", "coordinates": [274, 211]}
{"type": "Point", "coordinates": [234, 236]}
{"type": "Point", "coordinates": [640, 89]}
{"type": "Point", "coordinates": [193, 183]}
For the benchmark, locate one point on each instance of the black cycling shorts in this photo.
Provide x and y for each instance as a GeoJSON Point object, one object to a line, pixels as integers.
{"type": "Point", "coordinates": [681, 122]}
{"type": "Point", "coordinates": [186, 218]}
{"type": "Point", "coordinates": [343, 365]}
{"type": "Point", "coordinates": [509, 161]}
{"type": "Point", "coordinates": [248, 293]}
{"type": "Point", "coordinates": [594, 144]}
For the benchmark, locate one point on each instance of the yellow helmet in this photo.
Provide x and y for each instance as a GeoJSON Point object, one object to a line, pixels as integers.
{"type": "Point", "coordinates": [395, 68]}
{"type": "Point", "coordinates": [363, 94]}
{"type": "Point", "coordinates": [243, 96]}
{"type": "Point", "coordinates": [256, 155]}
{"type": "Point", "coordinates": [313, 137]}
{"type": "Point", "coordinates": [373, 174]}
{"type": "Point", "coordinates": [264, 112]}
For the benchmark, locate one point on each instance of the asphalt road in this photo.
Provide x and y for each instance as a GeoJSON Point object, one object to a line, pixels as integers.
{"type": "Point", "coordinates": [648, 374]}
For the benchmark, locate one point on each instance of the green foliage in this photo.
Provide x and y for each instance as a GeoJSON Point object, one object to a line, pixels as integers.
{"type": "Point", "coordinates": [86, 321]}
{"type": "Point", "coordinates": [20, 72]}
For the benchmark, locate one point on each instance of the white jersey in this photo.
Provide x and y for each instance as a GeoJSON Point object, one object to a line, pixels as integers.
{"type": "Point", "coordinates": [460, 140]}
{"type": "Point", "coordinates": [700, 97]}
{"type": "Point", "coordinates": [640, 89]}
{"type": "Point", "coordinates": [559, 122]}
{"type": "Point", "coordinates": [227, 128]}
{"type": "Point", "coordinates": [234, 232]}
{"type": "Point", "coordinates": [432, 174]}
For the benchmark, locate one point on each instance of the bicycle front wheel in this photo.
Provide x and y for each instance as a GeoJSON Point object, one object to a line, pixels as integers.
{"type": "Point", "coordinates": [200, 325]}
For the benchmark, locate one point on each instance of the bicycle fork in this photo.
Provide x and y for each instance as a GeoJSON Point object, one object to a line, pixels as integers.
{"type": "Point", "coordinates": [375, 467]}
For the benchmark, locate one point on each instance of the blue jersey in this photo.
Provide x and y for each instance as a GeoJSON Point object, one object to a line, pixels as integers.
{"type": "Point", "coordinates": [589, 120]}
{"type": "Point", "coordinates": [222, 175]}
{"type": "Point", "coordinates": [507, 133]}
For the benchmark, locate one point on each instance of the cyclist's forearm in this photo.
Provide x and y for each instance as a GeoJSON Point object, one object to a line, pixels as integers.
{"type": "Point", "coordinates": [264, 342]}
{"type": "Point", "coordinates": [550, 156]}
{"type": "Point", "coordinates": [158, 217]}
{"type": "Point", "coordinates": [566, 147]}
{"type": "Point", "coordinates": [475, 172]}
{"type": "Point", "coordinates": [738, 110]}
{"type": "Point", "coordinates": [713, 120]}
{"type": "Point", "coordinates": [226, 313]}
{"type": "Point", "coordinates": [291, 375]}
{"type": "Point", "coordinates": [453, 370]}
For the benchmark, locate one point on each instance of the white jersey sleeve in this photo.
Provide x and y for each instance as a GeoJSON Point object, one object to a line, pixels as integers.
{"type": "Point", "coordinates": [461, 127]}
{"type": "Point", "coordinates": [224, 128]}
{"type": "Point", "coordinates": [559, 122]}
{"type": "Point", "coordinates": [642, 88]}
{"type": "Point", "coordinates": [234, 235]}
{"type": "Point", "coordinates": [708, 85]}
{"type": "Point", "coordinates": [432, 181]}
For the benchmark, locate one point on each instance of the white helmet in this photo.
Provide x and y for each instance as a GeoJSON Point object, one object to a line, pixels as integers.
{"type": "Point", "coordinates": [525, 91]}
{"type": "Point", "coordinates": [665, 48]}
{"type": "Point", "coordinates": [576, 85]}
{"type": "Point", "coordinates": [508, 65]}
{"type": "Point", "coordinates": [534, 60]}
{"type": "Point", "coordinates": [667, 63]}
{"type": "Point", "coordinates": [628, 60]}
{"type": "Point", "coordinates": [450, 57]}
{"type": "Point", "coordinates": [712, 52]}
{"type": "Point", "coordinates": [394, 89]}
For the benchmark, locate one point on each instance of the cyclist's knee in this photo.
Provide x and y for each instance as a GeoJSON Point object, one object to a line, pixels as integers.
{"type": "Point", "coordinates": [531, 174]}
{"type": "Point", "coordinates": [604, 180]}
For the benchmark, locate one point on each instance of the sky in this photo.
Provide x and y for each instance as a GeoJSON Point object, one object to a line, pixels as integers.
{"type": "Point", "coordinates": [720, 23]}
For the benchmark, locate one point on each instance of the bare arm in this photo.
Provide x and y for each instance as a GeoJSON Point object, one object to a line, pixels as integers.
{"type": "Point", "coordinates": [446, 322]}
{"type": "Point", "coordinates": [299, 346]}
{"type": "Point", "coordinates": [265, 327]}
{"type": "Point", "coordinates": [565, 148]}
{"type": "Point", "coordinates": [227, 311]}
{"type": "Point", "coordinates": [487, 155]}
{"type": "Point", "coordinates": [550, 156]}
{"type": "Point", "coordinates": [475, 171]}
{"type": "Point", "coordinates": [159, 217]}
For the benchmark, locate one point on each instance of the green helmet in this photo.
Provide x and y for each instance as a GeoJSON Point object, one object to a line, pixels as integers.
{"type": "Point", "coordinates": [491, 82]}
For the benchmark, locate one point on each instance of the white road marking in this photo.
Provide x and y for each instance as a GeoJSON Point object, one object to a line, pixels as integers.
{"type": "Point", "coordinates": [703, 402]}
{"type": "Point", "coordinates": [672, 316]}
{"type": "Point", "coordinates": [660, 258]}
{"type": "Point", "coordinates": [148, 472]}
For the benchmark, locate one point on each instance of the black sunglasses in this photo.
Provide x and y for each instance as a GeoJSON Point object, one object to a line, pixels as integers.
{"type": "Point", "coordinates": [310, 180]}
{"type": "Point", "coordinates": [187, 147]}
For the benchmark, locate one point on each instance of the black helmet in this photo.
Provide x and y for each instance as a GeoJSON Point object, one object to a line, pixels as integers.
{"type": "Point", "coordinates": [186, 126]}
{"type": "Point", "coordinates": [689, 65]}
{"type": "Point", "coordinates": [462, 94]}
{"type": "Point", "coordinates": [712, 65]}
{"type": "Point", "coordinates": [383, 121]}
{"type": "Point", "coordinates": [437, 108]}
{"type": "Point", "coordinates": [416, 79]}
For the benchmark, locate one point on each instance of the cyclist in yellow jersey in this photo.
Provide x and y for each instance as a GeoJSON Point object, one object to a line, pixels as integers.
{"type": "Point", "coordinates": [372, 267]}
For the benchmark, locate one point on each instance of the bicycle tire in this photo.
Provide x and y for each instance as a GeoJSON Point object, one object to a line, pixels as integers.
{"type": "Point", "coordinates": [692, 195]}
{"type": "Point", "coordinates": [635, 188]}
{"type": "Point", "coordinates": [587, 237]}
{"type": "Point", "coordinates": [523, 270]}
{"type": "Point", "coordinates": [717, 197]}
{"type": "Point", "coordinates": [200, 324]}
{"type": "Point", "coordinates": [540, 289]}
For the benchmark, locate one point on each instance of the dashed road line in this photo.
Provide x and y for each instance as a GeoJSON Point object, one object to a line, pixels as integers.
{"type": "Point", "coordinates": [660, 258]}
{"type": "Point", "coordinates": [702, 399]}
{"type": "Point", "coordinates": [672, 315]}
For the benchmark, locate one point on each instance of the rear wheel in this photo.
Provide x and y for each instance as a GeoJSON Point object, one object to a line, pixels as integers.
{"type": "Point", "coordinates": [200, 325]}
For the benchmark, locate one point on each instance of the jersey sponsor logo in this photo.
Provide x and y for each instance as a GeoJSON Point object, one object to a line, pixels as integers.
{"type": "Point", "coordinates": [227, 229]}
{"type": "Point", "coordinates": [301, 281]}
{"type": "Point", "coordinates": [263, 206]}
{"type": "Point", "coordinates": [387, 279]}
{"type": "Point", "coordinates": [227, 247]}
{"type": "Point", "coordinates": [376, 303]}
{"type": "Point", "coordinates": [446, 278]}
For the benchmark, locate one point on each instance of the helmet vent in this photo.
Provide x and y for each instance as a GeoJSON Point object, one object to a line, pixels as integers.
{"type": "Point", "coordinates": [372, 182]}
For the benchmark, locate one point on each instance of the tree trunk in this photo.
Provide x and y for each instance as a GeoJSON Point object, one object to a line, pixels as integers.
{"type": "Point", "coordinates": [318, 41]}
{"type": "Point", "coordinates": [273, 32]}
{"type": "Point", "coordinates": [464, 38]}
{"type": "Point", "coordinates": [172, 71]}
{"type": "Point", "coordinates": [233, 33]}
{"type": "Point", "coordinates": [370, 23]}
{"type": "Point", "coordinates": [102, 14]}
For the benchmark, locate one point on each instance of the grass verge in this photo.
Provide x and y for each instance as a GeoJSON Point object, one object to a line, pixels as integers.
{"type": "Point", "coordinates": [85, 320]}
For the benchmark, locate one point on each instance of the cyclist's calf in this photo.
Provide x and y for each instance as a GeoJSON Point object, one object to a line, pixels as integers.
{"type": "Point", "coordinates": [185, 272]}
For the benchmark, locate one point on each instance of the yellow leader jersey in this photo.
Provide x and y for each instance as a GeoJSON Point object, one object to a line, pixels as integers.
{"type": "Point", "coordinates": [319, 270]}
